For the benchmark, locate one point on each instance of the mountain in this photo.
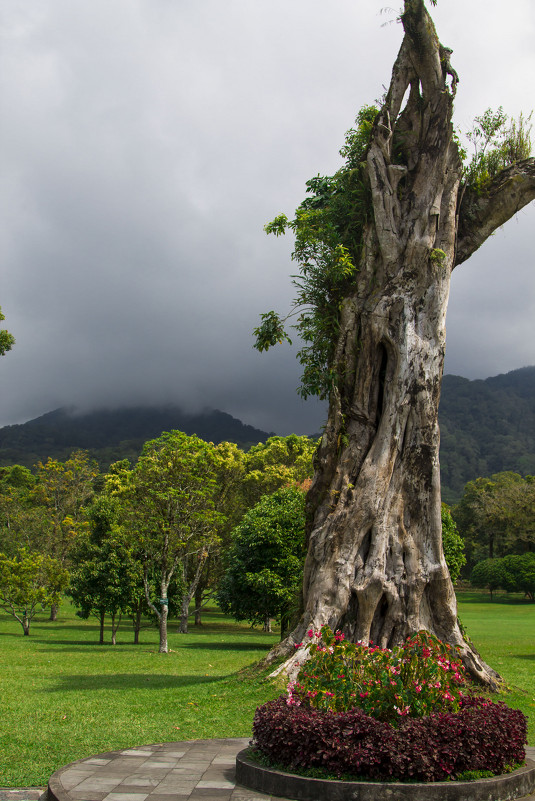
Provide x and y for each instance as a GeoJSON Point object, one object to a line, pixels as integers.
{"type": "Point", "coordinates": [110, 435]}
{"type": "Point", "coordinates": [486, 426]}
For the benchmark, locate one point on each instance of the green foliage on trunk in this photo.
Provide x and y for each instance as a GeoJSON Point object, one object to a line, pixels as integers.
{"type": "Point", "coordinates": [498, 142]}
{"type": "Point", "coordinates": [328, 227]}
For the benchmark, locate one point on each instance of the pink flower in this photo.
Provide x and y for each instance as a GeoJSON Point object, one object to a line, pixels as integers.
{"type": "Point", "coordinates": [310, 633]}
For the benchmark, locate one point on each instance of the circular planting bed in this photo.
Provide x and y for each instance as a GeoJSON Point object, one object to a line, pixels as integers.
{"type": "Point", "coordinates": [365, 723]}
{"type": "Point", "coordinates": [251, 774]}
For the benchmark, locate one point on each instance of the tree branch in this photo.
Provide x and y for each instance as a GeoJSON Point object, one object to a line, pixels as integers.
{"type": "Point", "coordinates": [481, 214]}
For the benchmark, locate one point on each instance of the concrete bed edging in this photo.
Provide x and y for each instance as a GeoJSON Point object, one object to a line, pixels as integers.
{"type": "Point", "coordinates": [507, 787]}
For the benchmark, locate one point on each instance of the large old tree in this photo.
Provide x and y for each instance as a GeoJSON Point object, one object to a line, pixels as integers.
{"type": "Point", "coordinates": [376, 245]}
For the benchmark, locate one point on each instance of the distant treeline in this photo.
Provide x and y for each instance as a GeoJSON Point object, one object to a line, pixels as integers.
{"type": "Point", "coordinates": [486, 427]}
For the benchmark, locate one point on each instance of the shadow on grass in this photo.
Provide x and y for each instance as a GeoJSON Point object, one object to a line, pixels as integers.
{"type": "Point", "coordinates": [529, 657]}
{"type": "Point", "coordinates": [129, 681]}
{"type": "Point", "coordinates": [227, 646]}
{"type": "Point", "coordinates": [81, 646]}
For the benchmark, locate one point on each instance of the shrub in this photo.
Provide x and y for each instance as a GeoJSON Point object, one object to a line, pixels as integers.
{"type": "Point", "coordinates": [481, 736]}
{"type": "Point", "coordinates": [412, 680]}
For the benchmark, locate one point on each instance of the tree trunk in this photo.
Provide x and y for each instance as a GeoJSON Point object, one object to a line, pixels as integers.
{"type": "Point", "coordinates": [183, 625]}
{"type": "Point", "coordinates": [53, 613]}
{"type": "Point", "coordinates": [136, 621]}
{"type": "Point", "coordinates": [186, 598]}
{"type": "Point", "coordinates": [164, 648]}
{"type": "Point", "coordinates": [198, 605]}
{"type": "Point", "coordinates": [115, 626]}
{"type": "Point", "coordinates": [101, 618]}
{"type": "Point", "coordinates": [375, 566]}
{"type": "Point", "coordinates": [267, 624]}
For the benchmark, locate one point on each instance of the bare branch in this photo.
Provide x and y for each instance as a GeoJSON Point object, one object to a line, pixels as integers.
{"type": "Point", "coordinates": [481, 214]}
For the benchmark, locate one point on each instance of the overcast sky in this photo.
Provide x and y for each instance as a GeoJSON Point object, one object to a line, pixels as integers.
{"type": "Point", "coordinates": [143, 146]}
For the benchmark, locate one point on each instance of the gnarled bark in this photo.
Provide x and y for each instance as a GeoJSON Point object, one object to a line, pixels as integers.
{"type": "Point", "coordinates": [375, 566]}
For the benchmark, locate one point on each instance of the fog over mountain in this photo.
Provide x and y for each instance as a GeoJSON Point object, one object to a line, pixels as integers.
{"type": "Point", "coordinates": [144, 144]}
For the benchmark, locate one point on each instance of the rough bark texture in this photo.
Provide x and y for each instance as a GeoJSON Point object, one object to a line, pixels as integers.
{"type": "Point", "coordinates": [375, 566]}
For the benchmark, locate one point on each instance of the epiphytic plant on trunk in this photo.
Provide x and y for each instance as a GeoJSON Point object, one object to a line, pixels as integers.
{"type": "Point", "coordinates": [376, 245]}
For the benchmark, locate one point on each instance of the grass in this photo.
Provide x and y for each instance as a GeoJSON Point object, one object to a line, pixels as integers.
{"type": "Point", "coordinates": [503, 633]}
{"type": "Point", "coordinates": [64, 697]}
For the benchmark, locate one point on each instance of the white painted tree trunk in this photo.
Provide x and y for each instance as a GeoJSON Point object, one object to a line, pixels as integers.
{"type": "Point", "coordinates": [375, 566]}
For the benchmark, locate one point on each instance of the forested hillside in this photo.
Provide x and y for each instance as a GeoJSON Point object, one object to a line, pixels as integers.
{"type": "Point", "coordinates": [486, 427]}
{"type": "Point", "coordinates": [110, 435]}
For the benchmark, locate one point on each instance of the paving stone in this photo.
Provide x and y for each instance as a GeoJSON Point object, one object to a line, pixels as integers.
{"type": "Point", "coordinates": [140, 780]}
{"type": "Point", "coordinates": [215, 785]}
{"type": "Point", "coordinates": [98, 784]}
{"type": "Point", "coordinates": [184, 789]}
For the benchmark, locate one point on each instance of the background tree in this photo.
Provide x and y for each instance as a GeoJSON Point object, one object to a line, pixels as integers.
{"type": "Point", "coordinates": [229, 501]}
{"type": "Point", "coordinates": [488, 574]}
{"type": "Point", "coordinates": [106, 580]}
{"type": "Point", "coordinates": [278, 462]}
{"type": "Point", "coordinates": [61, 492]}
{"type": "Point", "coordinates": [496, 516]}
{"type": "Point", "coordinates": [453, 545]}
{"type": "Point", "coordinates": [512, 573]}
{"type": "Point", "coordinates": [519, 574]}
{"type": "Point", "coordinates": [29, 581]}
{"type": "Point", "coordinates": [376, 244]}
{"type": "Point", "coordinates": [169, 509]}
{"type": "Point", "coordinates": [20, 519]}
{"type": "Point", "coordinates": [265, 561]}
{"type": "Point", "coordinates": [7, 340]}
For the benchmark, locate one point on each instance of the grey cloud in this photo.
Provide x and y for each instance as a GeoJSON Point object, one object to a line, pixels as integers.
{"type": "Point", "coordinates": [145, 144]}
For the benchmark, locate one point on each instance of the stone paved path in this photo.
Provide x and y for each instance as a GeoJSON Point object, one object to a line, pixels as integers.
{"type": "Point", "coordinates": [182, 771]}
{"type": "Point", "coordinates": [200, 769]}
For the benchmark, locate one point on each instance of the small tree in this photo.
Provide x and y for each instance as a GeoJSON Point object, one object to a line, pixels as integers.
{"type": "Point", "coordinates": [105, 581]}
{"type": "Point", "coordinates": [496, 515]}
{"type": "Point", "coordinates": [61, 492]}
{"type": "Point", "coordinates": [519, 574]}
{"type": "Point", "coordinates": [168, 502]}
{"type": "Point", "coordinates": [488, 574]}
{"type": "Point", "coordinates": [265, 561]}
{"type": "Point", "coordinates": [29, 581]}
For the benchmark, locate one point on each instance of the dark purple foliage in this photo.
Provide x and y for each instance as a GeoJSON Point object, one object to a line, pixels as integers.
{"type": "Point", "coordinates": [482, 735]}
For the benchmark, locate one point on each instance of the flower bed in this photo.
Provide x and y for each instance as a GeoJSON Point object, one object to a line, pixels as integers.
{"type": "Point", "coordinates": [380, 714]}
{"type": "Point", "coordinates": [481, 736]}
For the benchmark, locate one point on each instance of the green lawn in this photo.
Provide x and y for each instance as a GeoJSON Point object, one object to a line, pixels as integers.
{"type": "Point", "coordinates": [503, 632]}
{"type": "Point", "coordinates": [64, 697]}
